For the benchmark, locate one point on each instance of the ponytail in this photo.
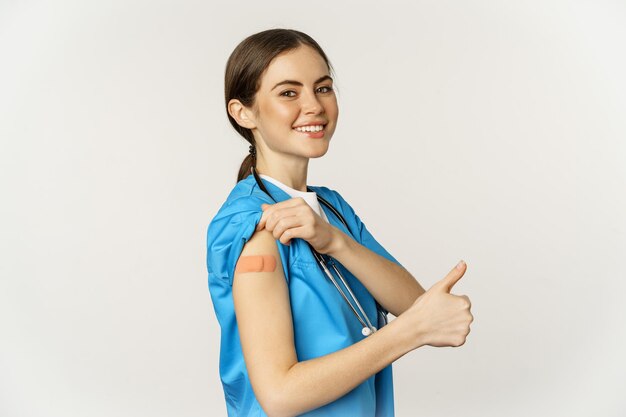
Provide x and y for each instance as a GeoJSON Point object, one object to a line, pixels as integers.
{"type": "Point", "coordinates": [248, 162]}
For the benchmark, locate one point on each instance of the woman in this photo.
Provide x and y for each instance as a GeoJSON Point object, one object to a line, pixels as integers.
{"type": "Point", "coordinates": [293, 340]}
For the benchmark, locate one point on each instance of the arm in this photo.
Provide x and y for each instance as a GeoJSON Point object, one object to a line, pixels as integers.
{"type": "Point", "coordinates": [390, 284]}
{"type": "Point", "coordinates": [282, 385]}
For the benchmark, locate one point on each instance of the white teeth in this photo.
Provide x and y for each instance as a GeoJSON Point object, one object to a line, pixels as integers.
{"type": "Point", "coordinates": [315, 128]}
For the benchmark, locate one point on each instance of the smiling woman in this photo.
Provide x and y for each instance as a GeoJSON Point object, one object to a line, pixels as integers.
{"type": "Point", "coordinates": [258, 93]}
{"type": "Point", "coordinates": [290, 342]}
{"type": "Point", "coordinates": [294, 113]}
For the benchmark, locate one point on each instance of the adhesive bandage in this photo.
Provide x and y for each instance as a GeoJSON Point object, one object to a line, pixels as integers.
{"type": "Point", "coordinates": [256, 263]}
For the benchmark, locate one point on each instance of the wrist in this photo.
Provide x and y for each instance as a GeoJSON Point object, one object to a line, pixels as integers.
{"type": "Point", "coordinates": [405, 336]}
{"type": "Point", "coordinates": [339, 243]}
{"type": "Point", "coordinates": [414, 334]}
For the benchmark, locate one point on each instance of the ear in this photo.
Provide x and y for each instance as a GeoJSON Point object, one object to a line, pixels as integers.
{"type": "Point", "coordinates": [242, 115]}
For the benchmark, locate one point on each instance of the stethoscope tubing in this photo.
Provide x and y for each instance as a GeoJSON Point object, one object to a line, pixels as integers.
{"type": "Point", "coordinates": [356, 300]}
{"type": "Point", "coordinates": [368, 328]}
{"type": "Point", "coordinates": [366, 324]}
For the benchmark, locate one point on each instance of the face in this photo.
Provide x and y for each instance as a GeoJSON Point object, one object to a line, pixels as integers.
{"type": "Point", "coordinates": [296, 90]}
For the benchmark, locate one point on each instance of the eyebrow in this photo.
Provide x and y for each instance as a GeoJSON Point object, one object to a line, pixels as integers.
{"type": "Point", "coordinates": [319, 80]}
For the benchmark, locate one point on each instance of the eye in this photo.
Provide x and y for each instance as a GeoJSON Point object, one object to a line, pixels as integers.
{"type": "Point", "coordinates": [325, 89]}
{"type": "Point", "coordinates": [287, 93]}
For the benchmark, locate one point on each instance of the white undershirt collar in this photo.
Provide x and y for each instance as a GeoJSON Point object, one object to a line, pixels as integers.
{"type": "Point", "coordinates": [309, 196]}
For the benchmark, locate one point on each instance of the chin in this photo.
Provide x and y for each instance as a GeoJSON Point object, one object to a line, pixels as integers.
{"type": "Point", "coordinates": [318, 152]}
{"type": "Point", "coordinates": [317, 155]}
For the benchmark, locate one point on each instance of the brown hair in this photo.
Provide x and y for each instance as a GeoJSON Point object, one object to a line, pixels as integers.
{"type": "Point", "coordinates": [246, 65]}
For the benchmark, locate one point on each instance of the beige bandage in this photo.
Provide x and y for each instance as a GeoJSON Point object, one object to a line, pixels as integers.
{"type": "Point", "coordinates": [256, 263]}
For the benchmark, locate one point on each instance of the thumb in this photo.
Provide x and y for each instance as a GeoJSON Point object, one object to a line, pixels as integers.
{"type": "Point", "coordinates": [453, 276]}
{"type": "Point", "coordinates": [261, 224]}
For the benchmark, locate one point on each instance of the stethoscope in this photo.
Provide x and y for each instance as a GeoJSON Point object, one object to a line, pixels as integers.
{"type": "Point", "coordinates": [325, 260]}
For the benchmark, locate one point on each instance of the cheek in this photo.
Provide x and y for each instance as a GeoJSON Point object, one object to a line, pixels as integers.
{"type": "Point", "coordinates": [332, 110]}
{"type": "Point", "coordinates": [281, 112]}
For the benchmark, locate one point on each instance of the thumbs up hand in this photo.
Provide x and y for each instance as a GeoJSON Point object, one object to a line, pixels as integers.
{"type": "Point", "coordinates": [438, 318]}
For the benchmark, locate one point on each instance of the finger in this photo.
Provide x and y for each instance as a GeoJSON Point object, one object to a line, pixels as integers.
{"type": "Point", "coordinates": [291, 234]}
{"type": "Point", "coordinates": [277, 214]}
{"type": "Point", "coordinates": [452, 278]}
{"type": "Point", "coordinates": [269, 209]}
{"type": "Point", "coordinates": [261, 224]}
{"type": "Point", "coordinates": [284, 225]}
{"type": "Point", "coordinates": [468, 303]}
{"type": "Point", "coordinates": [266, 213]}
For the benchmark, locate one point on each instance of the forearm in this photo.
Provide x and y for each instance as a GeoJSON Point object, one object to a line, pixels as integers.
{"type": "Point", "coordinates": [390, 284]}
{"type": "Point", "coordinates": [313, 383]}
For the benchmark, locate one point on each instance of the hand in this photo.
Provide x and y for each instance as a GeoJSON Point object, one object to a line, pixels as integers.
{"type": "Point", "coordinates": [438, 318]}
{"type": "Point", "coordinates": [294, 218]}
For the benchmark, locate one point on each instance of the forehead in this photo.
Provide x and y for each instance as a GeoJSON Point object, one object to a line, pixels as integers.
{"type": "Point", "coordinates": [302, 64]}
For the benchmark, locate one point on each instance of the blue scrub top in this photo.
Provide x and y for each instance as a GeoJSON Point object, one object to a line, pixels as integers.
{"type": "Point", "coordinates": [322, 321]}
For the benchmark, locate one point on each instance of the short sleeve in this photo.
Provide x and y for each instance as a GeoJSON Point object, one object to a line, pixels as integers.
{"type": "Point", "coordinates": [226, 237]}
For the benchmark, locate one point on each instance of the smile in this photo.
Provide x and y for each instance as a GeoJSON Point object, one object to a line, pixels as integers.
{"type": "Point", "coordinates": [313, 128]}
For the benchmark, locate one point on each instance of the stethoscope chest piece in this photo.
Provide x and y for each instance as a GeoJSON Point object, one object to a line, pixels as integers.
{"type": "Point", "coordinates": [367, 331]}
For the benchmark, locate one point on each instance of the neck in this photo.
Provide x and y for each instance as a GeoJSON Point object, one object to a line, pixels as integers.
{"type": "Point", "coordinates": [291, 173]}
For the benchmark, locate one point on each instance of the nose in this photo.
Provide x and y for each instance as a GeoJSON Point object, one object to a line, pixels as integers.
{"type": "Point", "coordinates": [311, 104]}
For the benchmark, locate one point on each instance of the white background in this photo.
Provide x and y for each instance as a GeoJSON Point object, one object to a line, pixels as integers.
{"type": "Point", "coordinates": [489, 131]}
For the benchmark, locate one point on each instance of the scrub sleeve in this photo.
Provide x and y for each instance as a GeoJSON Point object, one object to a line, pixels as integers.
{"type": "Point", "coordinates": [322, 321]}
